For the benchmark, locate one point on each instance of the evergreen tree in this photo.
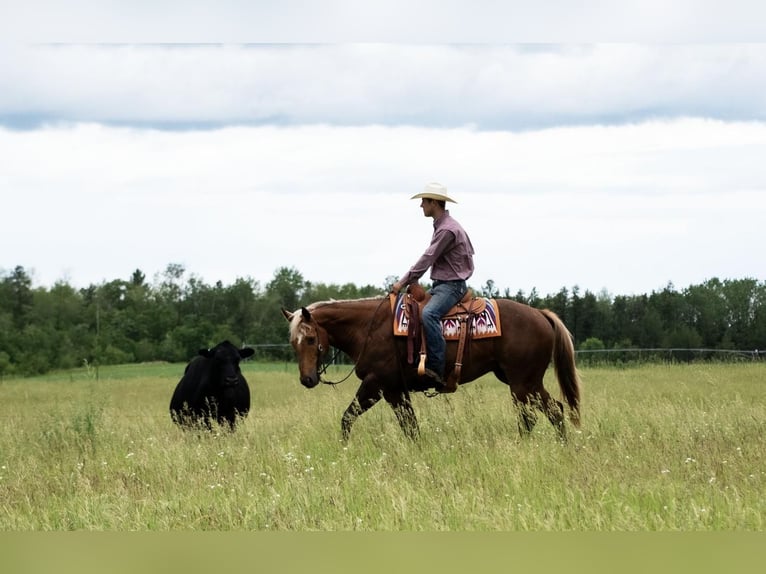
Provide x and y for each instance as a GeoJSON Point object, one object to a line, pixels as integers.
{"type": "Point", "coordinates": [170, 319]}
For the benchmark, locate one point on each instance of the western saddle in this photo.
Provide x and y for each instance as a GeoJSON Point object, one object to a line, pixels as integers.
{"type": "Point", "coordinates": [463, 311]}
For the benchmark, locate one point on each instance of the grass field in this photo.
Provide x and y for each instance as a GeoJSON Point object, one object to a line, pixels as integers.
{"type": "Point", "coordinates": [661, 448]}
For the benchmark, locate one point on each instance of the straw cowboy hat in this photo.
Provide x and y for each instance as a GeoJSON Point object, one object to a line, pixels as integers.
{"type": "Point", "coordinates": [434, 191]}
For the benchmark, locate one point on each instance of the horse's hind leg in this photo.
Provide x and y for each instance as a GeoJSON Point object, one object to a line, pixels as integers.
{"type": "Point", "coordinates": [554, 410]}
{"type": "Point", "coordinates": [527, 414]}
{"type": "Point", "coordinates": [523, 403]}
{"type": "Point", "coordinates": [527, 403]}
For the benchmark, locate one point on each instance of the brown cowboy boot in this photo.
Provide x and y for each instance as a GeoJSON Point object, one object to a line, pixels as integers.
{"type": "Point", "coordinates": [450, 385]}
{"type": "Point", "coordinates": [433, 376]}
{"type": "Point", "coordinates": [440, 385]}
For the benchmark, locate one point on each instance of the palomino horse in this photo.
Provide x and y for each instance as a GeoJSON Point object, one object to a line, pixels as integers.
{"type": "Point", "coordinates": [362, 329]}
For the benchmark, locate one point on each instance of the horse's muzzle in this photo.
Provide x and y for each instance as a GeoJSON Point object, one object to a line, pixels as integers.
{"type": "Point", "coordinates": [310, 381]}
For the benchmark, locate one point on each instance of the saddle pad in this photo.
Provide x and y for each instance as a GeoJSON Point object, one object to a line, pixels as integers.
{"type": "Point", "coordinates": [485, 324]}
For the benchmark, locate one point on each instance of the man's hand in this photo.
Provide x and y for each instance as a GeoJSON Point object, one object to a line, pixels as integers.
{"type": "Point", "coordinates": [396, 287]}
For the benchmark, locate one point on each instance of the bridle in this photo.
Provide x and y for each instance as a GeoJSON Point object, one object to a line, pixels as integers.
{"type": "Point", "coordinates": [322, 366]}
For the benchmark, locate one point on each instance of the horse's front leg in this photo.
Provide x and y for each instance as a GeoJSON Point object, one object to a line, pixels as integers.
{"type": "Point", "coordinates": [402, 404]}
{"type": "Point", "coordinates": [368, 393]}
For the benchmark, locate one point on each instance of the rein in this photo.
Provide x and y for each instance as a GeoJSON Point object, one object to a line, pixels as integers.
{"type": "Point", "coordinates": [323, 370]}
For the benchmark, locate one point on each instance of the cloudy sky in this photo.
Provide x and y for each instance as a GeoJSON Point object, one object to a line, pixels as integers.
{"type": "Point", "coordinates": [607, 165]}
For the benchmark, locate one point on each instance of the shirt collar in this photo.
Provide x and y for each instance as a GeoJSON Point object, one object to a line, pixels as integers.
{"type": "Point", "coordinates": [442, 219]}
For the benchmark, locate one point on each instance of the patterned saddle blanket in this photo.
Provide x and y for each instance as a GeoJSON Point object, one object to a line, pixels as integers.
{"type": "Point", "coordinates": [485, 317]}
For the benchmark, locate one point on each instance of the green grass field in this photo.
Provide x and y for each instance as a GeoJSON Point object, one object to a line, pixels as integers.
{"type": "Point", "coordinates": [661, 448]}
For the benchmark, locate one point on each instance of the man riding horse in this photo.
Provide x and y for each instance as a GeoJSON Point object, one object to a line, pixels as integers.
{"type": "Point", "coordinates": [450, 257]}
{"type": "Point", "coordinates": [511, 340]}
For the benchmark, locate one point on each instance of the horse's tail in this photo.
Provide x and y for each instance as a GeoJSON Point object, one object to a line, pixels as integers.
{"type": "Point", "coordinates": [564, 365]}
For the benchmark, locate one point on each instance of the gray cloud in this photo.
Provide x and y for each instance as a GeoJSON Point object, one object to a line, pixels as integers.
{"type": "Point", "coordinates": [649, 153]}
{"type": "Point", "coordinates": [490, 87]}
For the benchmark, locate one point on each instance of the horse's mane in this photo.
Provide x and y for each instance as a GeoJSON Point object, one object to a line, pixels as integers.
{"type": "Point", "coordinates": [296, 320]}
{"type": "Point", "coordinates": [319, 304]}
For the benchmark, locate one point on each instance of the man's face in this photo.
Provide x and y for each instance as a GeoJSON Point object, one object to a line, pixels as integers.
{"type": "Point", "coordinates": [428, 206]}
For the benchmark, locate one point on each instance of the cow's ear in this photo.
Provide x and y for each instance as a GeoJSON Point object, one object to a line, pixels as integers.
{"type": "Point", "coordinates": [205, 353]}
{"type": "Point", "coordinates": [246, 352]}
{"type": "Point", "coordinates": [306, 314]}
{"type": "Point", "coordinates": [287, 314]}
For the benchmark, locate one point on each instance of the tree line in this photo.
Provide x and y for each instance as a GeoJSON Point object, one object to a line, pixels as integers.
{"type": "Point", "coordinates": [171, 317]}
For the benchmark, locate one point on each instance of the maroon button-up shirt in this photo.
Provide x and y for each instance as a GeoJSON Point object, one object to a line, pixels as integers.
{"type": "Point", "coordinates": [450, 254]}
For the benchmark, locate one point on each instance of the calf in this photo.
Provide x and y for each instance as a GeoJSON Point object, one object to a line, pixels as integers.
{"type": "Point", "coordinates": [212, 388]}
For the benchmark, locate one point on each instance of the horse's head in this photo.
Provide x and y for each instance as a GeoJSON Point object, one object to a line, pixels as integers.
{"type": "Point", "coordinates": [310, 342]}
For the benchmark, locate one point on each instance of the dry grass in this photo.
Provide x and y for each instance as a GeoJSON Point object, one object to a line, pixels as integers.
{"type": "Point", "coordinates": [661, 448]}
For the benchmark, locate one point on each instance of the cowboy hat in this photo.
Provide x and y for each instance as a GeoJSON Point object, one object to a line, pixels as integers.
{"type": "Point", "coordinates": [434, 191]}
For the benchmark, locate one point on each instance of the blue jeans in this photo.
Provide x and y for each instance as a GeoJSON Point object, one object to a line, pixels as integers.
{"type": "Point", "coordinates": [444, 295]}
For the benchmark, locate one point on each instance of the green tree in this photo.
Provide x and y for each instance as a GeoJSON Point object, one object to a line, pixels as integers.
{"type": "Point", "coordinates": [490, 289]}
{"type": "Point", "coordinates": [140, 310]}
{"type": "Point", "coordinates": [589, 351]}
{"type": "Point", "coordinates": [628, 312]}
{"type": "Point", "coordinates": [741, 296]}
{"type": "Point", "coordinates": [239, 303]}
{"type": "Point", "coordinates": [170, 319]}
{"type": "Point", "coordinates": [287, 288]}
{"type": "Point", "coordinates": [559, 304]}
{"type": "Point", "coordinates": [706, 312]}
{"type": "Point", "coordinates": [603, 317]}
{"type": "Point", "coordinates": [58, 311]}
{"type": "Point", "coordinates": [592, 344]}
{"type": "Point", "coordinates": [649, 331]}
{"type": "Point", "coordinates": [17, 295]}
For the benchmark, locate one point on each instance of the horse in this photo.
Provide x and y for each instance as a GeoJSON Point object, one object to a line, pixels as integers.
{"type": "Point", "coordinates": [362, 328]}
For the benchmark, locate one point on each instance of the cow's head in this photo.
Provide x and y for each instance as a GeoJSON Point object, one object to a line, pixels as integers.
{"type": "Point", "coordinates": [226, 357]}
{"type": "Point", "coordinates": [310, 342]}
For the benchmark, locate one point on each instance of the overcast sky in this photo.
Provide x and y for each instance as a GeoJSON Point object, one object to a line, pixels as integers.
{"type": "Point", "coordinates": [619, 166]}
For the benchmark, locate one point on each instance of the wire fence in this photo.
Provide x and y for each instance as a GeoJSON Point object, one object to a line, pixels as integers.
{"type": "Point", "coordinates": [284, 351]}
{"type": "Point", "coordinates": [666, 355]}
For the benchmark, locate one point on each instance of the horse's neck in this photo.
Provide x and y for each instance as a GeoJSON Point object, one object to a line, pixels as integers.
{"type": "Point", "coordinates": [346, 325]}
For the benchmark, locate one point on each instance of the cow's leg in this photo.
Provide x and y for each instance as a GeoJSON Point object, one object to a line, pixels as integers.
{"type": "Point", "coordinates": [402, 404]}
{"type": "Point", "coordinates": [367, 395]}
{"type": "Point", "coordinates": [229, 421]}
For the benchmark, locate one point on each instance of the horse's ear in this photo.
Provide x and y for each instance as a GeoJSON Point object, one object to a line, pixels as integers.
{"type": "Point", "coordinates": [306, 314]}
{"type": "Point", "coordinates": [287, 314]}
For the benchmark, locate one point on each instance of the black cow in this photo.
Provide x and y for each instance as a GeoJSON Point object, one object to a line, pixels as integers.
{"type": "Point", "coordinates": [212, 388]}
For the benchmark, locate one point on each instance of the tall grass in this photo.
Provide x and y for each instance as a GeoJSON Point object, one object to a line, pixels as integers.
{"type": "Point", "coordinates": [661, 448]}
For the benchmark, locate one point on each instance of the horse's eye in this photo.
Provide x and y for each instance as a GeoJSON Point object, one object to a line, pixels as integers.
{"type": "Point", "coordinates": [310, 340]}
